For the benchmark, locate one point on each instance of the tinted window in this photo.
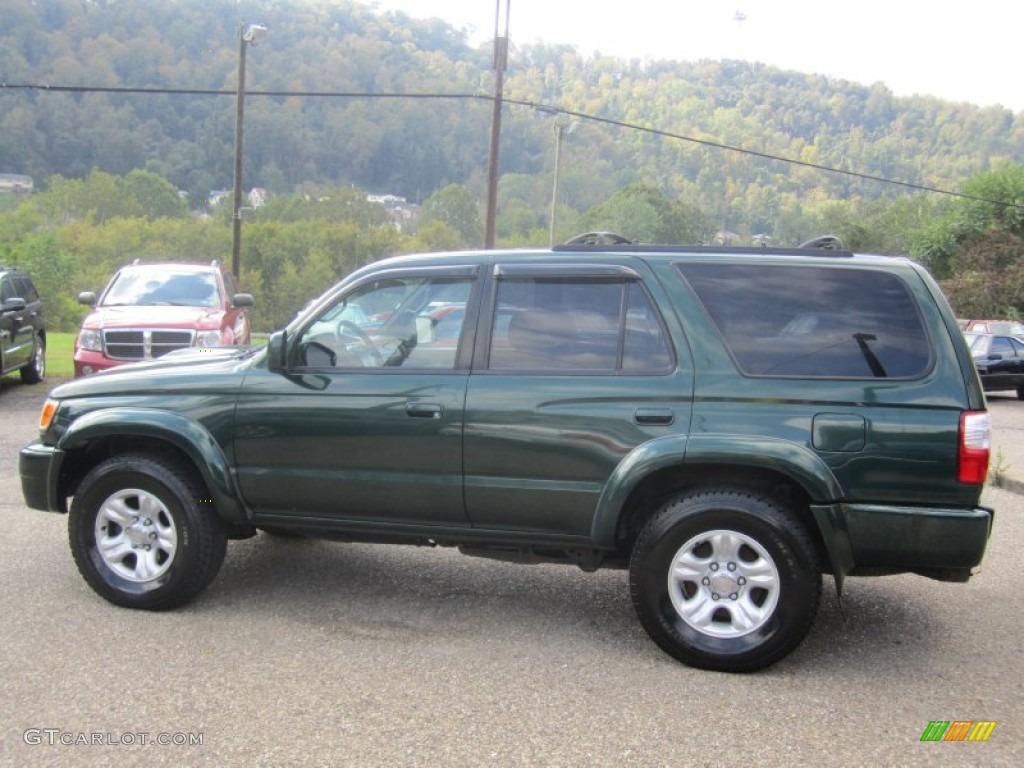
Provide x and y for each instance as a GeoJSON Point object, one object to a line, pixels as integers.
{"type": "Point", "coordinates": [813, 321]}
{"type": "Point", "coordinates": [1002, 346]}
{"type": "Point", "coordinates": [576, 325]}
{"type": "Point", "coordinates": [26, 290]}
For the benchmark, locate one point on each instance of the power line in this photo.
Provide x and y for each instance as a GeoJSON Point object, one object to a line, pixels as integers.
{"type": "Point", "coordinates": [529, 104]}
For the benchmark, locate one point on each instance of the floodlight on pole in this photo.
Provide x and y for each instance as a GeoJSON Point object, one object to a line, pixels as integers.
{"type": "Point", "coordinates": [248, 34]}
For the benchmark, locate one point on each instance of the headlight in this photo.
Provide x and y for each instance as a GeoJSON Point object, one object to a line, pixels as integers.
{"type": "Point", "coordinates": [90, 340]}
{"type": "Point", "coordinates": [208, 339]}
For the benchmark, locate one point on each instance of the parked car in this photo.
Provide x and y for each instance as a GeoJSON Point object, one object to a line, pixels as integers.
{"type": "Point", "coordinates": [22, 327]}
{"type": "Point", "coordinates": [150, 309]}
{"type": "Point", "coordinates": [1004, 327]}
{"type": "Point", "coordinates": [728, 424]}
{"type": "Point", "coordinates": [999, 360]}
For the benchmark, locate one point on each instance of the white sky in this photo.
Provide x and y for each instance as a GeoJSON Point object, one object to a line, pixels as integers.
{"type": "Point", "coordinates": [959, 51]}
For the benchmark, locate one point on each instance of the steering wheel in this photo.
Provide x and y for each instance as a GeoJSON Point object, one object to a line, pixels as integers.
{"type": "Point", "coordinates": [347, 327]}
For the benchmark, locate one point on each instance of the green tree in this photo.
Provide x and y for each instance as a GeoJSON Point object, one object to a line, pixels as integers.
{"type": "Point", "coordinates": [642, 212]}
{"type": "Point", "coordinates": [997, 208]}
{"type": "Point", "coordinates": [156, 197]}
{"type": "Point", "coordinates": [456, 206]}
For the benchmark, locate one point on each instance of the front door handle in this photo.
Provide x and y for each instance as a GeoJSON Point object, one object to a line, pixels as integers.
{"type": "Point", "coordinates": [423, 410]}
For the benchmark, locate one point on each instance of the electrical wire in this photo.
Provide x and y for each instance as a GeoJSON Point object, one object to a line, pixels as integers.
{"type": "Point", "coordinates": [549, 109]}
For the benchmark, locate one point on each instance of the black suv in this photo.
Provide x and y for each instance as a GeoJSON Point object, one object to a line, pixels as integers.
{"type": "Point", "coordinates": [727, 424]}
{"type": "Point", "coordinates": [22, 329]}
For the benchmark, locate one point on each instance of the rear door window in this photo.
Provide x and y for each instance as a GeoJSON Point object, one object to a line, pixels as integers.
{"type": "Point", "coordinates": [577, 324]}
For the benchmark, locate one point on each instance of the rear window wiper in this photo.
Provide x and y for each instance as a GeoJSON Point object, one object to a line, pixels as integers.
{"type": "Point", "coordinates": [870, 357]}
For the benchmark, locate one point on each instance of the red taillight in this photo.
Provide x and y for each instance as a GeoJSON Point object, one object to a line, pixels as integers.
{"type": "Point", "coordinates": [975, 446]}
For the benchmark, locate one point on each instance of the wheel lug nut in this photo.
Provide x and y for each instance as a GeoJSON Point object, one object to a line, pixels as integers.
{"type": "Point", "coordinates": [741, 581]}
{"type": "Point", "coordinates": [705, 581]}
{"type": "Point", "coordinates": [733, 596]}
{"type": "Point", "coordinates": [715, 596]}
{"type": "Point", "coordinates": [714, 566]}
{"type": "Point", "coordinates": [148, 548]}
{"type": "Point", "coordinates": [152, 535]}
{"type": "Point", "coordinates": [732, 566]}
{"type": "Point", "coordinates": [148, 521]}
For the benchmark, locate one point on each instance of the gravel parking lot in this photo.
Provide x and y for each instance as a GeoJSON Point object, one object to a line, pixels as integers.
{"type": "Point", "coordinates": [315, 653]}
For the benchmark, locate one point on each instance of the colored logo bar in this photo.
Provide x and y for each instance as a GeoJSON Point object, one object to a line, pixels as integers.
{"type": "Point", "coordinates": [958, 730]}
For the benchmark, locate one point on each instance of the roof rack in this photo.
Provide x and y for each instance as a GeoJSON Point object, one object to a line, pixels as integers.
{"type": "Point", "coordinates": [589, 242]}
{"type": "Point", "coordinates": [599, 238]}
{"type": "Point", "coordinates": [825, 243]}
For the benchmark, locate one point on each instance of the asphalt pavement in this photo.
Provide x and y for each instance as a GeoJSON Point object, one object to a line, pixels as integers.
{"type": "Point", "coordinates": [310, 653]}
{"type": "Point", "coordinates": [1006, 467]}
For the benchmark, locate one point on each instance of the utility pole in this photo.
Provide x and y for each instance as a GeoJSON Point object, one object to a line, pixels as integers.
{"type": "Point", "coordinates": [500, 63]}
{"type": "Point", "coordinates": [248, 34]}
{"type": "Point", "coordinates": [562, 129]}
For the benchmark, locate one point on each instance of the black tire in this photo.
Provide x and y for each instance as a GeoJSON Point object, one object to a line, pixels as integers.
{"type": "Point", "coordinates": [35, 369]}
{"type": "Point", "coordinates": [726, 580]}
{"type": "Point", "coordinates": [132, 502]}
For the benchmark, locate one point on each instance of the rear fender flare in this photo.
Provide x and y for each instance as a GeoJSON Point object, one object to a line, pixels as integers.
{"type": "Point", "coordinates": [744, 452]}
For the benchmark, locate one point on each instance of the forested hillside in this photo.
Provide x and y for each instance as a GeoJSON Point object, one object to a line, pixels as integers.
{"type": "Point", "coordinates": [373, 139]}
{"type": "Point", "coordinates": [116, 107]}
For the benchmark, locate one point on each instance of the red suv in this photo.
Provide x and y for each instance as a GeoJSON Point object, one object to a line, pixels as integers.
{"type": "Point", "coordinates": [148, 310]}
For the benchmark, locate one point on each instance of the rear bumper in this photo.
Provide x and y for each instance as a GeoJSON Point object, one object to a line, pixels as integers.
{"type": "Point", "coordinates": [39, 466]}
{"type": "Point", "coordinates": [940, 543]}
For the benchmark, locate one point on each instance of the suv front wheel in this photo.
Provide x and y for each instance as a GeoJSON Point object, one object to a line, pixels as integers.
{"type": "Point", "coordinates": [141, 536]}
{"type": "Point", "coordinates": [724, 579]}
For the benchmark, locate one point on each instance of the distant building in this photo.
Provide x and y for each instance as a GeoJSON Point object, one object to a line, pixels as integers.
{"type": "Point", "coordinates": [16, 183]}
{"type": "Point", "coordinates": [402, 212]}
{"type": "Point", "coordinates": [388, 200]}
{"type": "Point", "coordinates": [258, 197]}
{"type": "Point", "coordinates": [216, 195]}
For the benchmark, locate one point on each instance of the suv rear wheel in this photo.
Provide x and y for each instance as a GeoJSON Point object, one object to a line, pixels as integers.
{"type": "Point", "coordinates": [139, 536]}
{"type": "Point", "coordinates": [723, 579]}
{"type": "Point", "coordinates": [35, 369]}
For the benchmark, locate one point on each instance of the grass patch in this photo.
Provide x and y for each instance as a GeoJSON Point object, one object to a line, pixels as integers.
{"type": "Point", "coordinates": [60, 353]}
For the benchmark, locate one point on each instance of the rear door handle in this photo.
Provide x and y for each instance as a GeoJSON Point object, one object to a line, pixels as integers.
{"type": "Point", "coordinates": [423, 410]}
{"type": "Point", "coordinates": [654, 416]}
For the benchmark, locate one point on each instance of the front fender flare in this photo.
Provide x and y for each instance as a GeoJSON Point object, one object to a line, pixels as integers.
{"type": "Point", "coordinates": [784, 457]}
{"type": "Point", "coordinates": [191, 437]}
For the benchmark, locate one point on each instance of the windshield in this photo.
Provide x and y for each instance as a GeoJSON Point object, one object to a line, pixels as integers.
{"type": "Point", "coordinates": [163, 287]}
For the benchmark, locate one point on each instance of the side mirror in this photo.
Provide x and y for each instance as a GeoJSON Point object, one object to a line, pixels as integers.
{"type": "Point", "coordinates": [995, 356]}
{"type": "Point", "coordinates": [276, 352]}
{"type": "Point", "coordinates": [15, 304]}
{"type": "Point", "coordinates": [88, 298]}
{"type": "Point", "coordinates": [242, 300]}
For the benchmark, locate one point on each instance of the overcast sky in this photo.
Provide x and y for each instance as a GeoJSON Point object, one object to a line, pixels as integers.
{"type": "Point", "coordinates": [960, 51]}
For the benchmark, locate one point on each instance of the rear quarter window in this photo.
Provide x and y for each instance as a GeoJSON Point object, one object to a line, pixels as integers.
{"type": "Point", "coordinates": [806, 321]}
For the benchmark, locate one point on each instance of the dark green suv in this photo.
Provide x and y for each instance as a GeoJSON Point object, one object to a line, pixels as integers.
{"type": "Point", "coordinates": [22, 328]}
{"type": "Point", "coordinates": [728, 424]}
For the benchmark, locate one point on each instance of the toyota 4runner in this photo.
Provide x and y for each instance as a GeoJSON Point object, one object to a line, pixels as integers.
{"type": "Point", "coordinates": [727, 424]}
